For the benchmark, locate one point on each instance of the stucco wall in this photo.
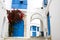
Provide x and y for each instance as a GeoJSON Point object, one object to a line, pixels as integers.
{"type": "Point", "coordinates": [55, 19]}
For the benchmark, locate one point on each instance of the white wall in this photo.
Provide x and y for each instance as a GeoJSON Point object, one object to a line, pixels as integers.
{"type": "Point", "coordinates": [3, 20]}
{"type": "Point", "coordinates": [8, 4]}
{"type": "Point", "coordinates": [55, 19]}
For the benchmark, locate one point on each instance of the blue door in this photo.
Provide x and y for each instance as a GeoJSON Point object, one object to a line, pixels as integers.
{"type": "Point", "coordinates": [18, 29]}
{"type": "Point", "coordinates": [33, 34]}
{"type": "Point", "coordinates": [33, 30]}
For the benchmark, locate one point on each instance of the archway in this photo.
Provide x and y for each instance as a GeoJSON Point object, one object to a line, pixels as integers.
{"type": "Point", "coordinates": [36, 25]}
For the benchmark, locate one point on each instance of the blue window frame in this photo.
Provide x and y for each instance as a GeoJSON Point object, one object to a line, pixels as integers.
{"type": "Point", "coordinates": [19, 4]}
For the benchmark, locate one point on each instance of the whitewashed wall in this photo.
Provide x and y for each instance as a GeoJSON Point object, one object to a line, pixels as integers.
{"type": "Point", "coordinates": [33, 7]}
{"type": "Point", "coordinates": [55, 19]}
{"type": "Point", "coordinates": [3, 20]}
{"type": "Point", "coordinates": [8, 4]}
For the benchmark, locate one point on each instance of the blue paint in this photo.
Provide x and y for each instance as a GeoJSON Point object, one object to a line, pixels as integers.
{"type": "Point", "coordinates": [18, 4]}
{"type": "Point", "coordinates": [15, 1]}
{"type": "Point", "coordinates": [48, 19]}
{"type": "Point", "coordinates": [33, 28]}
{"type": "Point", "coordinates": [33, 34]}
{"type": "Point", "coordinates": [45, 3]}
{"type": "Point", "coordinates": [18, 29]}
{"type": "Point", "coordinates": [37, 28]}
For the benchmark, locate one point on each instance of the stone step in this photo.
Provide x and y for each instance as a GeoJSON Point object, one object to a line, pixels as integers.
{"type": "Point", "coordinates": [38, 38]}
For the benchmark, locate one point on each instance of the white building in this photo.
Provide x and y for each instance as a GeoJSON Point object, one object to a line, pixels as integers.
{"type": "Point", "coordinates": [36, 14]}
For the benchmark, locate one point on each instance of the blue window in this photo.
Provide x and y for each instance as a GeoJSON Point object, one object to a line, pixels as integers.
{"type": "Point", "coordinates": [45, 3]}
{"type": "Point", "coordinates": [19, 4]}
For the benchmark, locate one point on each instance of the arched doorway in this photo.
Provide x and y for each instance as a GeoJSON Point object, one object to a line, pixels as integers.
{"type": "Point", "coordinates": [36, 25]}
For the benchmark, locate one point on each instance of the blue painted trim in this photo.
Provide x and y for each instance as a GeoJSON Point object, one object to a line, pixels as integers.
{"type": "Point", "coordinates": [48, 19]}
